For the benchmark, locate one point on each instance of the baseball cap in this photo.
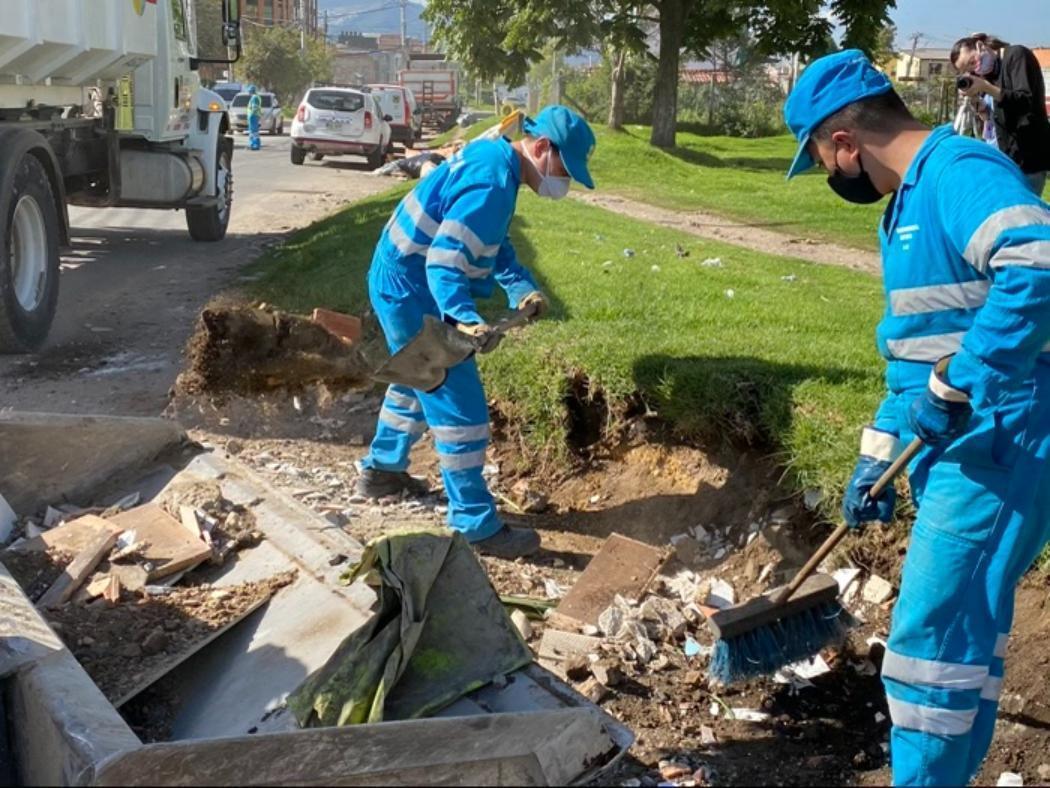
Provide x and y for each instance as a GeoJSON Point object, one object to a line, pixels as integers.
{"type": "Point", "coordinates": [572, 136]}
{"type": "Point", "coordinates": [827, 85]}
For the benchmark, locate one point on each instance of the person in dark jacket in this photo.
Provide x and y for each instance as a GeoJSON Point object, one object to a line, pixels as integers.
{"type": "Point", "coordinates": [1012, 78]}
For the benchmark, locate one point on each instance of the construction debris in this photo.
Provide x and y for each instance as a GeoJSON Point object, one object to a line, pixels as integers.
{"type": "Point", "coordinates": [77, 571]}
{"type": "Point", "coordinates": [521, 623]}
{"type": "Point", "coordinates": [166, 546]}
{"type": "Point", "coordinates": [7, 520]}
{"type": "Point", "coordinates": [623, 567]}
{"type": "Point", "coordinates": [877, 590]}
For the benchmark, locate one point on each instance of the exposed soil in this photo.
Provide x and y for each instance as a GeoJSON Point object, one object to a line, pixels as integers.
{"type": "Point", "coordinates": [120, 645]}
{"type": "Point", "coordinates": [749, 236]}
{"type": "Point", "coordinates": [244, 350]}
{"type": "Point", "coordinates": [36, 572]}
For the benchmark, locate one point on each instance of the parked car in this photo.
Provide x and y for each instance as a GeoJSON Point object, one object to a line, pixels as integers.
{"type": "Point", "coordinates": [338, 122]}
{"type": "Point", "coordinates": [272, 117]}
{"type": "Point", "coordinates": [228, 90]}
{"type": "Point", "coordinates": [399, 103]}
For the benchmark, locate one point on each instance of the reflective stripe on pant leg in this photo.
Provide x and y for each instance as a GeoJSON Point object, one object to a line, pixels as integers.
{"type": "Point", "coordinates": [400, 425]}
{"type": "Point", "coordinates": [458, 414]}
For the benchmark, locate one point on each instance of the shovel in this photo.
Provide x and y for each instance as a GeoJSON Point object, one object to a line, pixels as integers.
{"type": "Point", "coordinates": [423, 363]}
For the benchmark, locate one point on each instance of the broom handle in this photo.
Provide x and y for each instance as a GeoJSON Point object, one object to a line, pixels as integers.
{"type": "Point", "coordinates": [837, 535]}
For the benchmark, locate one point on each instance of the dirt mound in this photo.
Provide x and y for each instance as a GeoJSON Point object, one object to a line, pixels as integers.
{"type": "Point", "coordinates": [246, 350]}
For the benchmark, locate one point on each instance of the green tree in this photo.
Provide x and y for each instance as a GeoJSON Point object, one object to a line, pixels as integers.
{"type": "Point", "coordinates": [272, 59]}
{"type": "Point", "coordinates": [498, 39]}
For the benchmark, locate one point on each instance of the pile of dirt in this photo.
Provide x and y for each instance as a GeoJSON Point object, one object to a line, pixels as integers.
{"type": "Point", "coordinates": [245, 350]}
{"type": "Point", "coordinates": [36, 572]}
{"type": "Point", "coordinates": [120, 645]}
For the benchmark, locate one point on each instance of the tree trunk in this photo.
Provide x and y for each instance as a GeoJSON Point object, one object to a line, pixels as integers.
{"type": "Point", "coordinates": [665, 97]}
{"type": "Point", "coordinates": [616, 109]}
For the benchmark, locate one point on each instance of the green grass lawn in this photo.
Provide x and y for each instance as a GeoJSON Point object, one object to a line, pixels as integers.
{"type": "Point", "coordinates": [467, 134]}
{"type": "Point", "coordinates": [771, 350]}
{"type": "Point", "coordinates": [738, 178]}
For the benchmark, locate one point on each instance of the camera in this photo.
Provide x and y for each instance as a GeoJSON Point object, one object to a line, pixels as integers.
{"type": "Point", "coordinates": [964, 83]}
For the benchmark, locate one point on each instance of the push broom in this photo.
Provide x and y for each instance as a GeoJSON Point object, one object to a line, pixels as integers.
{"type": "Point", "coordinates": [788, 624]}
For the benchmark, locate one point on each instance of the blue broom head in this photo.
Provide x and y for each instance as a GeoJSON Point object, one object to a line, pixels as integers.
{"type": "Point", "coordinates": [766, 649]}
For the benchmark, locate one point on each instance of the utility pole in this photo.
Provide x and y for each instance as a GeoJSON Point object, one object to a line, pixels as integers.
{"type": "Point", "coordinates": [404, 33]}
{"type": "Point", "coordinates": [555, 84]}
{"type": "Point", "coordinates": [301, 17]}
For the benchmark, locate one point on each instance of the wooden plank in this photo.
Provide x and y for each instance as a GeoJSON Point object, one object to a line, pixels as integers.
{"type": "Point", "coordinates": [623, 566]}
{"type": "Point", "coordinates": [73, 537]}
{"type": "Point", "coordinates": [170, 547]}
{"type": "Point", "coordinates": [164, 668]}
{"type": "Point", "coordinates": [69, 581]}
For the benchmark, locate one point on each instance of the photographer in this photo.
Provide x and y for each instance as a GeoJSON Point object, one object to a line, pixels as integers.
{"type": "Point", "coordinates": [1010, 76]}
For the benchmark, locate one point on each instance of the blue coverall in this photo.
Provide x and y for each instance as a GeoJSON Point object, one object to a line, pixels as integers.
{"type": "Point", "coordinates": [966, 267]}
{"type": "Point", "coordinates": [254, 122]}
{"type": "Point", "coordinates": [445, 245]}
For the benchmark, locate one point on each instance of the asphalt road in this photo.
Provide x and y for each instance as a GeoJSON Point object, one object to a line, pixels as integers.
{"type": "Point", "coordinates": [134, 283]}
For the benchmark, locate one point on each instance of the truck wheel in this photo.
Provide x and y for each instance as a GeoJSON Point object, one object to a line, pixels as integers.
{"type": "Point", "coordinates": [29, 257]}
{"type": "Point", "coordinates": [298, 154]}
{"type": "Point", "coordinates": [209, 224]}
{"type": "Point", "coordinates": [376, 158]}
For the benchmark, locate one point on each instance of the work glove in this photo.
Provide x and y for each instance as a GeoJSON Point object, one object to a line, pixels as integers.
{"type": "Point", "coordinates": [486, 338]}
{"type": "Point", "coordinates": [878, 450]}
{"type": "Point", "coordinates": [535, 304]}
{"type": "Point", "coordinates": [941, 413]}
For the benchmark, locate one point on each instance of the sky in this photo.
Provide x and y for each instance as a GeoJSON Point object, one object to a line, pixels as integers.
{"type": "Point", "coordinates": [942, 22]}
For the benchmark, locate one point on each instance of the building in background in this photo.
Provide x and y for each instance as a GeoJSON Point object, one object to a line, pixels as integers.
{"type": "Point", "coordinates": [281, 12]}
{"type": "Point", "coordinates": [923, 65]}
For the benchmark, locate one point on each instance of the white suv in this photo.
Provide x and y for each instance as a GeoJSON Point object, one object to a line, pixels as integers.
{"type": "Point", "coordinates": [337, 122]}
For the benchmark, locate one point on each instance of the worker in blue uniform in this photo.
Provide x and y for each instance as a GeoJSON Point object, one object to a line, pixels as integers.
{"type": "Point", "coordinates": [966, 338]}
{"type": "Point", "coordinates": [445, 245]}
{"type": "Point", "coordinates": [254, 119]}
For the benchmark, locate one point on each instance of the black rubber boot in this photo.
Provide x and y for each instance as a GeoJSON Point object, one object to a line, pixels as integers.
{"type": "Point", "coordinates": [374, 483]}
{"type": "Point", "coordinates": [510, 543]}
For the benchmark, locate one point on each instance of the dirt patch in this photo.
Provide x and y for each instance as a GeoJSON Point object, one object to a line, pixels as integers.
{"type": "Point", "coordinates": [120, 645]}
{"type": "Point", "coordinates": [749, 236]}
{"type": "Point", "coordinates": [36, 571]}
{"type": "Point", "coordinates": [243, 350]}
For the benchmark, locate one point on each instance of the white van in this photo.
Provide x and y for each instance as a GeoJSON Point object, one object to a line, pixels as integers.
{"type": "Point", "coordinates": [399, 103]}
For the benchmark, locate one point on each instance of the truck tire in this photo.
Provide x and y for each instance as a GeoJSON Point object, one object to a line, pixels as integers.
{"type": "Point", "coordinates": [298, 154]}
{"type": "Point", "coordinates": [209, 224]}
{"type": "Point", "coordinates": [29, 256]}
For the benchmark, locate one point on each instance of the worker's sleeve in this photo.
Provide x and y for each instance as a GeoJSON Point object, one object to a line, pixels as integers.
{"type": "Point", "coordinates": [463, 252]}
{"type": "Point", "coordinates": [881, 439]}
{"type": "Point", "coordinates": [1020, 70]}
{"type": "Point", "coordinates": [1003, 231]}
{"type": "Point", "coordinates": [512, 276]}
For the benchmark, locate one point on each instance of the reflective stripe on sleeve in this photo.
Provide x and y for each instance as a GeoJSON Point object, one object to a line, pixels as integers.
{"type": "Point", "coordinates": [454, 258]}
{"type": "Point", "coordinates": [1034, 254]}
{"type": "Point", "coordinates": [979, 248]}
{"type": "Point", "coordinates": [880, 445]}
{"type": "Point", "coordinates": [404, 244]}
{"type": "Point", "coordinates": [422, 220]}
{"type": "Point", "coordinates": [460, 232]}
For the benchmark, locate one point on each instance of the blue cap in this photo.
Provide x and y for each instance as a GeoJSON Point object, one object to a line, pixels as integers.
{"type": "Point", "coordinates": [570, 134]}
{"type": "Point", "coordinates": [827, 85]}
{"type": "Point", "coordinates": [251, 89]}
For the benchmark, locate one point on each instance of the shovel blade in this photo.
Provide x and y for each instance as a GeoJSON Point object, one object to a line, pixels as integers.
{"type": "Point", "coordinates": [424, 362]}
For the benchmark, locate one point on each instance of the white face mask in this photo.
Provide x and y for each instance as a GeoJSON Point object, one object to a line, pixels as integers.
{"type": "Point", "coordinates": [552, 186]}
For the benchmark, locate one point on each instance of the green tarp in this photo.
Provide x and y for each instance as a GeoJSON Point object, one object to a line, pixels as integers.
{"type": "Point", "coordinates": [439, 632]}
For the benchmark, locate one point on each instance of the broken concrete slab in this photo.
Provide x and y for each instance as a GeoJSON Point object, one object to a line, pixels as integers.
{"type": "Point", "coordinates": [558, 648]}
{"type": "Point", "coordinates": [73, 537]}
{"type": "Point", "coordinates": [49, 457]}
{"type": "Point", "coordinates": [76, 573]}
{"type": "Point", "coordinates": [622, 567]}
{"type": "Point", "coordinates": [877, 590]}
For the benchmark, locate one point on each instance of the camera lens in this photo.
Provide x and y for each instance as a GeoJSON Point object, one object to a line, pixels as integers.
{"type": "Point", "coordinates": [963, 83]}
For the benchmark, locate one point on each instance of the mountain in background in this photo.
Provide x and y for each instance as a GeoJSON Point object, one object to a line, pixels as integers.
{"type": "Point", "coordinates": [372, 16]}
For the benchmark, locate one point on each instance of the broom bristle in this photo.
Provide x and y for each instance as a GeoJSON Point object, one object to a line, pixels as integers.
{"type": "Point", "coordinates": [768, 648]}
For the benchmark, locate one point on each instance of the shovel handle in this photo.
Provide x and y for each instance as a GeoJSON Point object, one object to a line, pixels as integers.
{"type": "Point", "coordinates": [839, 533]}
{"type": "Point", "coordinates": [517, 318]}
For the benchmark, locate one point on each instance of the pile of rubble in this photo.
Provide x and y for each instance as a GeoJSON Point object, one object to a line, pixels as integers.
{"type": "Point", "coordinates": [125, 585]}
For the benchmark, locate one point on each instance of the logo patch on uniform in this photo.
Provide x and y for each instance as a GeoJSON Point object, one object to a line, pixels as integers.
{"type": "Point", "coordinates": [906, 234]}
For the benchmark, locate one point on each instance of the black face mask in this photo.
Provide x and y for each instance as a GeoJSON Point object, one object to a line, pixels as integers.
{"type": "Point", "coordinates": [854, 188]}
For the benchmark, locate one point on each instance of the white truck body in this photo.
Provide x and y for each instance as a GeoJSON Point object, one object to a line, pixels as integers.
{"type": "Point", "coordinates": [104, 95]}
